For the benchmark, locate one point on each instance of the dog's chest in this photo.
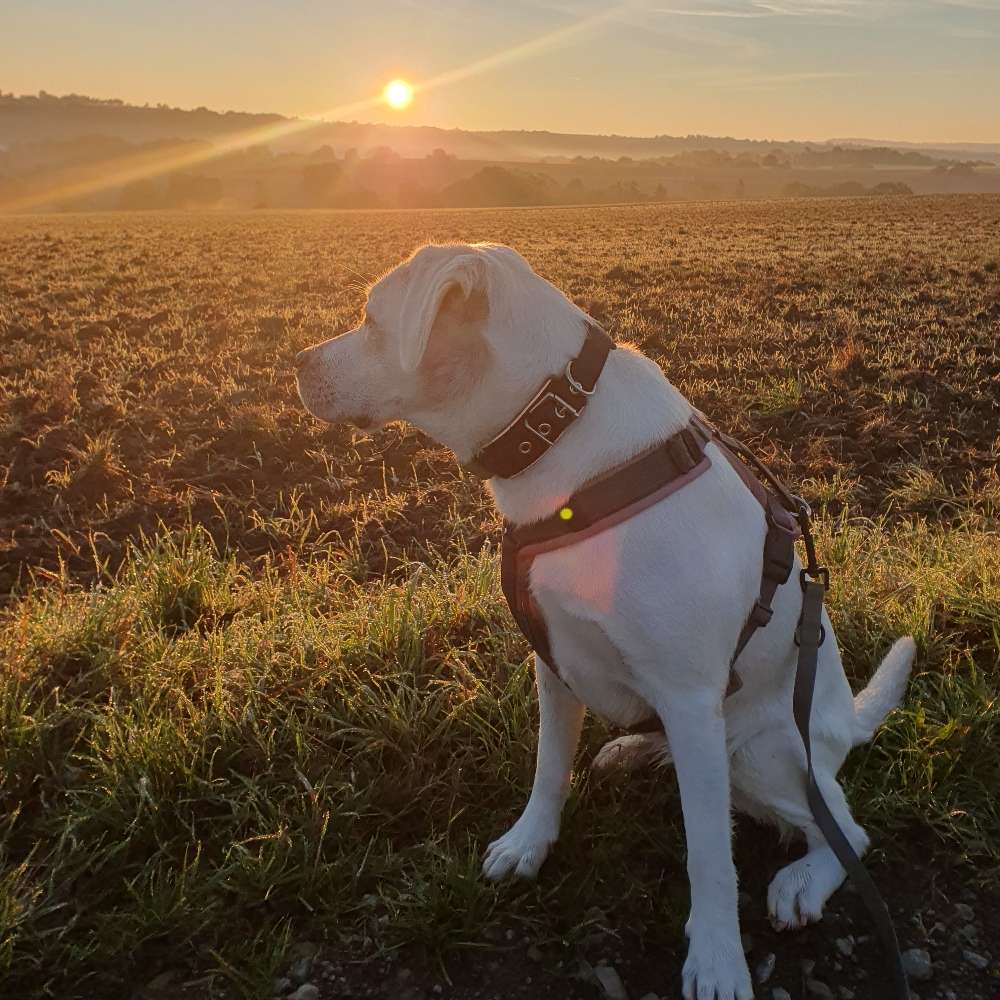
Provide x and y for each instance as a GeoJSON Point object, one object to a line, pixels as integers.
{"type": "Point", "coordinates": [579, 608]}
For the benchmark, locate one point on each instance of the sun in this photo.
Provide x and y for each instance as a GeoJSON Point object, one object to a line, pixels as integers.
{"type": "Point", "coordinates": [398, 94]}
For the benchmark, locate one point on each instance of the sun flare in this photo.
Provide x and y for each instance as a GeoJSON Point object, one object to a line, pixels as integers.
{"type": "Point", "coordinates": [398, 94]}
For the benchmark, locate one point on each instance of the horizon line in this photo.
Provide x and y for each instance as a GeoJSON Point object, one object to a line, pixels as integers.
{"type": "Point", "coordinates": [306, 120]}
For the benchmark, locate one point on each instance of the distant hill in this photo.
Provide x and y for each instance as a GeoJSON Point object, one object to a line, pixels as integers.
{"type": "Point", "coordinates": [45, 117]}
{"type": "Point", "coordinates": [81, 154]}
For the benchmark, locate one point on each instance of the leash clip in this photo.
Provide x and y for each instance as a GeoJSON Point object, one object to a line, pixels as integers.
{"type": "Point", "coordinates": [814, 574]}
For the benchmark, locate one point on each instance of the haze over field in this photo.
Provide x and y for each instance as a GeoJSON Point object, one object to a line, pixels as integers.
{"type": "Point", "coordinates": [77, 153]}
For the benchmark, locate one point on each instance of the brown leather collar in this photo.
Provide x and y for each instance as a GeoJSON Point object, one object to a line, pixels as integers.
{"type": "Point", "coordinates": [548, 414]}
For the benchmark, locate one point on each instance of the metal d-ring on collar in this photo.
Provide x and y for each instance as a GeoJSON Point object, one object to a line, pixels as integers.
{"type": "Point", "coordinates": [574, 385]}
{"type": "Point", "coordinates": [548, 414]}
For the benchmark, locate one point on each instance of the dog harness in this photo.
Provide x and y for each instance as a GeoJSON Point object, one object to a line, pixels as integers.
{"type": "Point", "coordinates": [624, 492]}
{"type": "Point", "coordinates": [637, 485]}
{"type": "Point", "coordinates": [616, 496]}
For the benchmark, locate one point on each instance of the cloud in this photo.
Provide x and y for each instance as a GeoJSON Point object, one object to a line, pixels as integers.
{"type": "Point", "coordinates": [752, 9]}
{"type": "Point", "coordinates": [855, 9]}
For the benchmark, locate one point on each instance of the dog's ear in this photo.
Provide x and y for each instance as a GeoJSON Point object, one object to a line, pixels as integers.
{"type": "Point", "coordinates": [456, 290]}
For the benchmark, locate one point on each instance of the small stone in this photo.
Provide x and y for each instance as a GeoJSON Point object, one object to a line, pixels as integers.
{"type": "Point", "coordinates": [815, 988]}
{"type": "Point", "coordinates": [967, 933]}
{"type": "Point", "coordinates": [808, 964]}
{"type": "Point", "coordinates": [917, 964]}
{"type": "Point", "coordinates": [610, 982]}
{"type": "Point", "coordinates": [305, 992]}
{"type": "Point", "coordinates": [534, 953]}
{"type": "Point", "coordinates": [777, 993]}
{"type": "Point", "coordinates": [845, 992]}
{"type": "Point", "coordinates": [974, 959]}
{"type": "Point", "coordinates": [437, 989]}
{"type": "Point", "coordinates": [950, 995]}
{"type": "Point", "coordinates": [845, 946]}
{"type": "Point", "coordinates": [765, 967]}
{"type": "Point", "coordinates": [300, 969]}
{"type": "Point", "coordinates": [964, 912]}
{"type": "Point", "coordinates": [281, 985]}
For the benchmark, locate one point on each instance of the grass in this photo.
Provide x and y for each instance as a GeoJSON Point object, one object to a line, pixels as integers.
{"type": "Point", "coordinates": [198, 759]}
{"type": "Point", "coordinates": [258, 682]}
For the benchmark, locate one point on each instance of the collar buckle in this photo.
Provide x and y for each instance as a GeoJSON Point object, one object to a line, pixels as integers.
{"type": "Point", "coordinates": [548, 415]}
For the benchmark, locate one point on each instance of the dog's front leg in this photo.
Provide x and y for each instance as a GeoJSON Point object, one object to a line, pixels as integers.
{"type": "Point", "coordinates": [715, 968]}
{"type": "Point", "coordinates": [524, 847]}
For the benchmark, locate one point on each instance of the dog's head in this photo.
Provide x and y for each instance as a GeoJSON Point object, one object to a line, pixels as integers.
{"type": "Point", "coordinates": [455, 340]}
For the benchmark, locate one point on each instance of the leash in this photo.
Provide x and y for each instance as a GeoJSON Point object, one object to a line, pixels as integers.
{"type": "Point", "coordinates": [814, 580]}
{"type": "Point", "coordinates": [810, 634]}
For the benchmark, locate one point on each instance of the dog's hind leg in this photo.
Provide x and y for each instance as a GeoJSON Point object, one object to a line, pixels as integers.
{"type": "Point", "coordinates": [630, 753]}
{"type": "Point", "coordinates": [523, 848]}
{"type": "Point", "coordinates": [768, 783]}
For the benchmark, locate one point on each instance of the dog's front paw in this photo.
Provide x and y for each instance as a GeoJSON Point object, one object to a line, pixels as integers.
{"type": "Point", "coordinates": [716, 969]}
{"type": "Point", "coordinates": [520, 851]}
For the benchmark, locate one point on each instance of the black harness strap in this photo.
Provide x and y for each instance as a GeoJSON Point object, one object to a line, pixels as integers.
{"type": "Point", "coordinates": [607, 501]}
{"type": "Point", "coordinates": [781, 514]}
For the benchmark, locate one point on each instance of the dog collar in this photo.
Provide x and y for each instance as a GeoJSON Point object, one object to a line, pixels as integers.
{"type": "Point", "coordinates": [552, 409]}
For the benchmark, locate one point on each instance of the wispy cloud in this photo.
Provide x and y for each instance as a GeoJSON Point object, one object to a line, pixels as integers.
{"type": "Point", "coordinates": [753, 9]}
{"type": "Point", "coordinates": [855, 9]}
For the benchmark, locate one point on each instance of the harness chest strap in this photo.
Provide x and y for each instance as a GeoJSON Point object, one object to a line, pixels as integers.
{"type": "Point", "coordinates": [623, 493]}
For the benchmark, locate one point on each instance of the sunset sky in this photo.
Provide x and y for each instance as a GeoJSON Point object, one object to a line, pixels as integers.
{"type": "Point", "coordinates": [908, 70]}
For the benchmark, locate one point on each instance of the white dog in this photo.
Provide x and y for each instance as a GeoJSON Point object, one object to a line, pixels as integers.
{"type": "Point", "coordinates": [644, 615]}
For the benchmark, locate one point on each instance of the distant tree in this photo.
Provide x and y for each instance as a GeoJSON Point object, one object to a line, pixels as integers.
{"type": "Point", "coordinates": [576, 193]}
{"type": "Point", "coordinates": [192, 191]}
{"type": "Point", "coordinates": [142, 194]}
{"type": "Point", "coordinates": [325, 154]}
{"type": "Point", "coordinates": [383, 154]}
{"type": "Point", "coordinates": [499, 186]}
{"type": "Point", "coordinates": [318, 180]}
{"type": "Point", "coordinates": [892, 187]}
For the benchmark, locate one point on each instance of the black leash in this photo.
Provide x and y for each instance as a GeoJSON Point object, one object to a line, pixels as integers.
{"type": "Point", "coordinates": [815, 580]}
{"type": "Point", "coordinates": [809, 636]}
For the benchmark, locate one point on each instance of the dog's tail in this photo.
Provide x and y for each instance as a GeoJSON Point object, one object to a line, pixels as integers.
{"type": "Point", "coordinates": [884, 691]}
